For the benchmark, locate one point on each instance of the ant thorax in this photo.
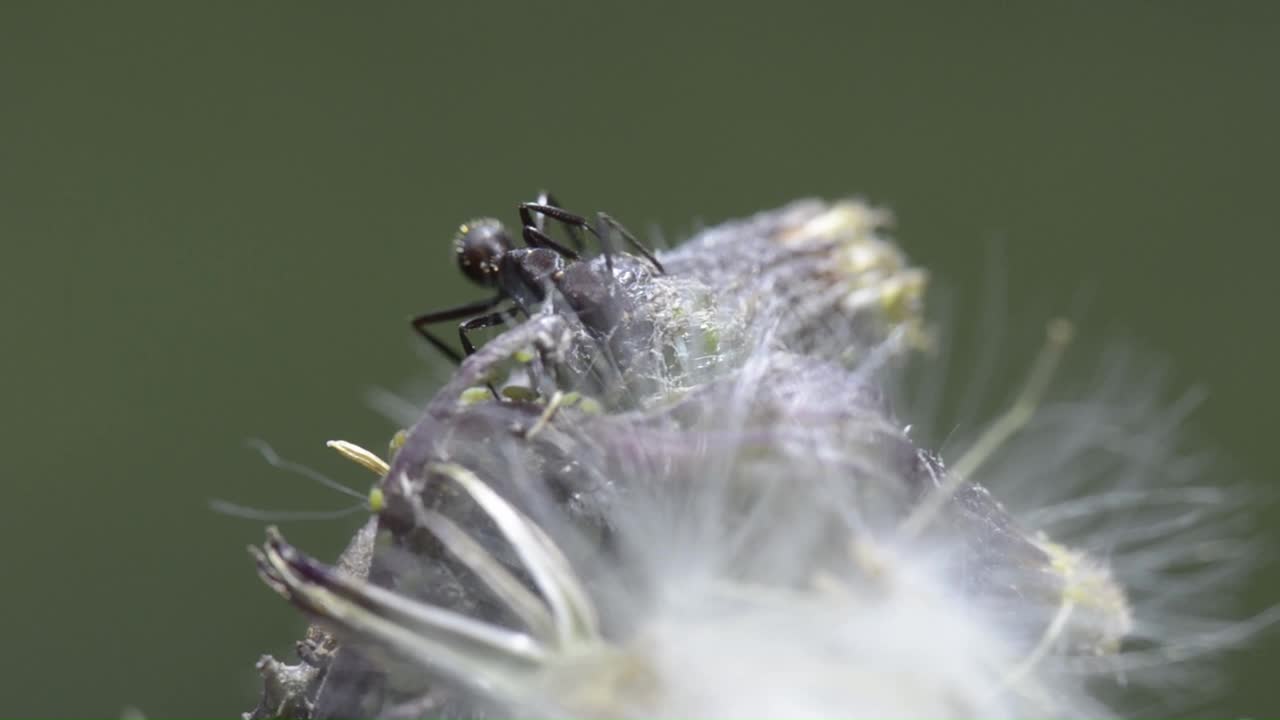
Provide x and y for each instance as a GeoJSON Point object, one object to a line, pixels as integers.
{"type": "Point", "coordinates": [525, 275]}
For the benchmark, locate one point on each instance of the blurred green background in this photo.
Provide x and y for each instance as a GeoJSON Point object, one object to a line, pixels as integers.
{"type": "Point", "coordinates": [216, 219]}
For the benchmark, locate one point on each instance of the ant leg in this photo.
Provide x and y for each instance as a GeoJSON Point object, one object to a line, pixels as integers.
{"type": "Point", "coordinates": [533, 237]}
{"type": "Point", "coordinates": [545, 210]}
{"type": "Point", "coordinates": [421, 322]}
{"type": "Point", "coordinates": [552, 211]}
{"type": "Point", "coordinates": [602, 219]}
{"type": "Point", "coordinates": [639, 247]}
{"type": "Point", "coordinates": [575, 234]}
{"type": "Point", "coordinates": [484, 321]}
{"type": "Point", "coordinates": [569, 220]}
{"type": "Point", "coordinates": [548, 334]}
{"type": "Point", "coordinates": [544, 198]}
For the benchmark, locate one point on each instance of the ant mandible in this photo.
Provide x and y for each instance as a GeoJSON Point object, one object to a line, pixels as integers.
{"type": "Point", "coordinates": [488, 257]}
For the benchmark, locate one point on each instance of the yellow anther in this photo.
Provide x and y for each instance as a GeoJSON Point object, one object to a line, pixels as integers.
{"type": "Point", "coordinates": [360, 456]}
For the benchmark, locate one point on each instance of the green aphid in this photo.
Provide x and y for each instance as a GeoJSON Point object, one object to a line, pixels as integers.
{"type": "Point", "coordinates": [397, 442]}
{"type": "Point", "coordinates": [377, 501]}
{"type": "Point", "coordinates": [590, 406]}
{"type": "Point", "coordinates": [474, 395]}
{"type": "Point", "coordinates": [520, 393]}
{"type": "Point", "coordinates": [711, 338]}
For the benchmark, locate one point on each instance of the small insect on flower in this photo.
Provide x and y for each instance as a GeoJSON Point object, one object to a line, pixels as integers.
{"type": "Point", "coordinates": [528, 276]}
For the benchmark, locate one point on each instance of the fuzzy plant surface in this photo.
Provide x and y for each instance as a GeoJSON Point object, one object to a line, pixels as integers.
{"type": "Point", "coordinates": [683, 489]}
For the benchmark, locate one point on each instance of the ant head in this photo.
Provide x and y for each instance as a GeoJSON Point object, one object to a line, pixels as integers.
{"type": "Point", "coordinates": [480, 244]}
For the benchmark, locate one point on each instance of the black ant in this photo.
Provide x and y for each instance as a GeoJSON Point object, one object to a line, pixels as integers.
{"type": "Point", "coordinates": [526, 275]}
